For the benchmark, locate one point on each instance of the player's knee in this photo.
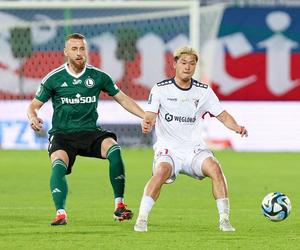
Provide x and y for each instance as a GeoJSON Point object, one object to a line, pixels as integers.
{"type": "Point", "coordinates": [163, 172]}
{"type": "Point", "coordinates": [214, 170]}
{"type": "Point", "coordinates": [60, 155]}
{"type": "Point", "coordinates": [160, 178]}
{"type": "Point", "coordinates": [107, 145]}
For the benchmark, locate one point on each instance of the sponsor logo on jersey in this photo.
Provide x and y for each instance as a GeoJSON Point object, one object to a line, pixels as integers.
{"type": "Point", "coordinates": [89, 82]}
{"type": "Point", "coordinates": [78, 100]}
{"type": "Point", "coordinates": [196, 102]}
{"type": "Point", "coordinates": [180, 119]}
{"type": "Point", "coordinates": [76, 81]}
{"type": "Point", "coordinates": [172, 99]}
{"type": "Point", "coordinates": [168, 117]}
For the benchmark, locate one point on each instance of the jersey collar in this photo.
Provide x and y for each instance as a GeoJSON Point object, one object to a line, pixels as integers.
{"type": "Point", "coordinates": [75, 75]}
{"type": "Point", "coordinates": [173, 80]}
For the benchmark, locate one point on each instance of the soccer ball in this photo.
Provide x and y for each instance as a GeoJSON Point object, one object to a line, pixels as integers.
{"type": "Point", "coordinates": [276, 206]}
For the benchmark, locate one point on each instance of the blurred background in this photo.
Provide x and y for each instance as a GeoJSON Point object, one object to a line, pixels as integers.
{"type": "Point", "coordinates": [249, 54]}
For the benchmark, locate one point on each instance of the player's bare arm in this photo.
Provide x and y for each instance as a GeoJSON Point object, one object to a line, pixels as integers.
{"type": "Point", "coordinates": [231, 123]}
{"type": "Point", "coordinates": [148, 122]}
{"type": "Point", "coordinates": [36, 123]}
{"type": "Point", "coordinates": [129, 104]}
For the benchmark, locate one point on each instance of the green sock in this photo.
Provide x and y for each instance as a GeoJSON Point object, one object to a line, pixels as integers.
{"type": "Point", "coordinates": [116, 170]}
{"type": "Point", "coordinates": [58, 184]}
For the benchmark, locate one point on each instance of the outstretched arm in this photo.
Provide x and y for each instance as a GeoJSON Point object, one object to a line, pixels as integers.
{"type": "Point", "coordinates": [129, 104]}
{"type": "Point", "coordinates": [230, 123]}
{"type": "Point", "coordinates": [35, 122]}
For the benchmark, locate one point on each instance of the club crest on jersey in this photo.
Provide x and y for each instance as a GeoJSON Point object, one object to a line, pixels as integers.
{"type": "Point", "coordinates": [89, 82]}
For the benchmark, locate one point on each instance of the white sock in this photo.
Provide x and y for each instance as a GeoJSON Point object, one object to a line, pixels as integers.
{"type": "Point", "coordinates": [118, 200]}
{"type": "Point", "coordinates": [61, 211]}
{"type": "Point", "coordinates": [223, 208]}
{"type": "Point", "coordinates": [146, 205]}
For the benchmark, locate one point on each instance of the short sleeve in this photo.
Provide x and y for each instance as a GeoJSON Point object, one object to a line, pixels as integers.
{"type": "Point", "coordinates": [109, 86]}
{"type": "Point", "coordinates": [213, 104]}
{"type": "Point", "coordinates": [153, 100]}
{"type": "Point", "coordinates": [43, 93]}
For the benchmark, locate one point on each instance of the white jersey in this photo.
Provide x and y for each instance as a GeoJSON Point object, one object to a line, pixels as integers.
{"type": "Point", "coordinates": [180, 111]}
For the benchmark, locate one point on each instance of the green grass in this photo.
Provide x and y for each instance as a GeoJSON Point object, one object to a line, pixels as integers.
{"type": "Point", "coordinates": [185, 217]}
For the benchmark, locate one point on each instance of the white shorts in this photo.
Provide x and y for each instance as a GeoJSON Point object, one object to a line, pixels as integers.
{"type": "Point", "coordinates": [189, 163]}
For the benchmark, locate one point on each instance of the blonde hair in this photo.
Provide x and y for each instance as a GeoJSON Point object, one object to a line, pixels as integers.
{"type": "Point", "coordinates": [188, 50]}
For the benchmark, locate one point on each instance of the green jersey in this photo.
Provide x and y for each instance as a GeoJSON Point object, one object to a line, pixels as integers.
{"type": "Point", "coordinates": [75, 98]}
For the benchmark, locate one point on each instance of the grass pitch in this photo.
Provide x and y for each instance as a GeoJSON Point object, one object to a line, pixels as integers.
{"type": "Point", "coordinates": [185, 216]}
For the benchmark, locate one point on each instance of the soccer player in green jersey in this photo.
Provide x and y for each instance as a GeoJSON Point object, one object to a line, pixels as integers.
{"type": "Point", "coordinates": [74, 89]}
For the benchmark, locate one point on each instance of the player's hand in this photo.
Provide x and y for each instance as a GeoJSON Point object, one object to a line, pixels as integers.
{"type": "Point", "coordinates": [242, 131]}
{"type": "Point", "coordinates": [36, 123]}
{"type": "Point", "coordinates": [146, 126]}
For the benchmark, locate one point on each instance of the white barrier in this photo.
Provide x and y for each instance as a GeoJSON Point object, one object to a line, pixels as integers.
{"type": "Point", "coordinates": [272, 126]}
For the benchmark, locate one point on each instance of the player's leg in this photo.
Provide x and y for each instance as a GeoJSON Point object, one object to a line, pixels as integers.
{"type": "Point", "coordinates": [112, 151]}
{"type": "Point", "coordinates": [212, 169]}
{"type": "Point", "coordinates": [163, 169]}
{"type": "Point", "coordinates": [161, 173]}
{"type": "Point", "coordinates": [58, 185]}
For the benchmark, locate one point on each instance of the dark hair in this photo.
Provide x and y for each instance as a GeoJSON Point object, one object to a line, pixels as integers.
{"type": "Point", "coordinates": [75, 36]}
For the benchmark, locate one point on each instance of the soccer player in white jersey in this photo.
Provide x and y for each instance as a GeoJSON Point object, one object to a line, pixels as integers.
{"type": "Point", "coordinates": [176, 107]}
